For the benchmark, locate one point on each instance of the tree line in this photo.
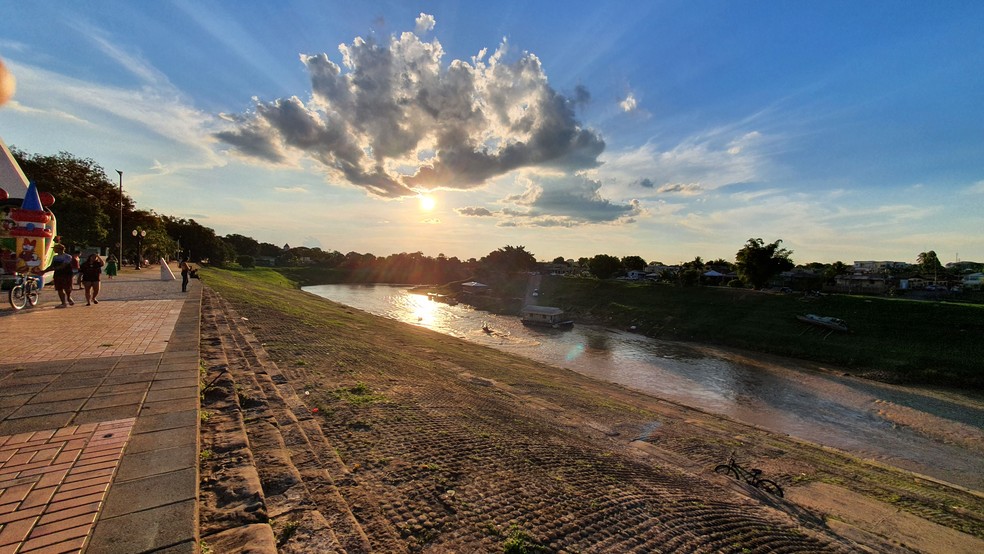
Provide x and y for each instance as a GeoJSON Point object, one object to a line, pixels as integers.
{"type": "Point", "coordinates": [88, 205]}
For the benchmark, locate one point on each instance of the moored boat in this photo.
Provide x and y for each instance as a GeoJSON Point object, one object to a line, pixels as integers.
{"type": "Point", "coordinates": [826, 322]}
{"type": "Point", "coordinates": [545, 316]}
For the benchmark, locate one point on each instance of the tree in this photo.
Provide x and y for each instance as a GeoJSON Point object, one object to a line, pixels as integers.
{"type": "Point", "coordinates": [198, 242]}
{"type": "Point", "coordinates": [559, 260]}
{"type": "Point", "coordinates": [244, 246]}
{"type": "Point", "coordinates": [758, 262]}
{"type": "Point", "coordinates": [831, 272]}
{"type": "Point", "coordinates": [510, 259]}
{"type": "Point", "coordinates": [929, 262]}
{"type": "Point", "coordinates": [81, 223]}
{"type": "Point", "coordinates": [635, 263]}
{"type": "Point", "coordinates": [604, 266]}
{"type": "Point", "coordinates": [87, 203]}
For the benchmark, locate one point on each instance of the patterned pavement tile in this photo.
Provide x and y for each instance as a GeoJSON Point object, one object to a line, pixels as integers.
{"type": "Point", "coordinates": [53, 482]}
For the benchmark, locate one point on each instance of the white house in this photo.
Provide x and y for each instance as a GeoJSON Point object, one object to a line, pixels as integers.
{"type": "Point", "coordinates": [973, 281]}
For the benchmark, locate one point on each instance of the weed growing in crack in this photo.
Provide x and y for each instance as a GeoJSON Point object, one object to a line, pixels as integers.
{"type": "Point", "coordinates": [287, 532]}
{"type": "Point", "coordinates": [521, 542]}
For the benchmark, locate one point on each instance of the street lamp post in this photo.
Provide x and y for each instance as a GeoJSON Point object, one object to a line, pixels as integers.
{"type": "Point", "coordinates": [121, 217]}
{"type": "Point", "coordinates": [139, 234]}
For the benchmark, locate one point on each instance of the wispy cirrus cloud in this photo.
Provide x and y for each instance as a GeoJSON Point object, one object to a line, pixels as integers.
{"type": "Point", "coordinates": [698, 164]}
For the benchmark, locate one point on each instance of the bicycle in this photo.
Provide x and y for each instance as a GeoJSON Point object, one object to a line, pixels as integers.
{"type": "Point", "coordinates": [752, 476]}
{"type": "Point", "coordinates": [24, 292]}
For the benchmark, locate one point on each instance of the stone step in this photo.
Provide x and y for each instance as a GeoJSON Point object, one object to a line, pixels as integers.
{"type": "Point", "coordinates": [296, 463]}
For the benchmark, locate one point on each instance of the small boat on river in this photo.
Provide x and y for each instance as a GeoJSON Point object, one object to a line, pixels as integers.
{"type": "Point", "coordinates": [545, 316]}
{"type": "Point", "coordinates": [826, 322]}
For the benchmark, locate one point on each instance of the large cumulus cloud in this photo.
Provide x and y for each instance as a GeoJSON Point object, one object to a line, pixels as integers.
{"type": "Point", "coordinates": [396, 121]}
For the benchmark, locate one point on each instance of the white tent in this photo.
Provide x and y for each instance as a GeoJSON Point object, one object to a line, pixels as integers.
{"type": "Point", "coordinates": [12, 179]}
{"type": "Point", "coordinates": [713, 273]}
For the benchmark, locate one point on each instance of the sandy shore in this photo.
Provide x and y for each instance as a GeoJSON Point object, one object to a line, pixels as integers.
{"type": "Point", "coordinates": [329, 430]}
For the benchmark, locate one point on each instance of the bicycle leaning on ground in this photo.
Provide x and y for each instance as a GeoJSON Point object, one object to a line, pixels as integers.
{"type": "Point", "coordinates": [24, 292]}
{"type": "Point", "coordinates": [751, 476]}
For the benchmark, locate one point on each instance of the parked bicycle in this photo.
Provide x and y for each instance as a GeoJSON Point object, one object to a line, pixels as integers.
{"type": "Point", "coordinates": [751, 476]}
{"type": "Point", "coordinates": [25, 291]}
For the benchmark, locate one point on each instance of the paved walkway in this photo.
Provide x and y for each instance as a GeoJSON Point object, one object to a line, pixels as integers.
{"type": "Point", "coordinates": [99, 420]}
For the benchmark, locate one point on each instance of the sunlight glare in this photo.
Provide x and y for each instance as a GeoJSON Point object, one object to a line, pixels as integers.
{"type": "Point", "coordinates": [427, 203]}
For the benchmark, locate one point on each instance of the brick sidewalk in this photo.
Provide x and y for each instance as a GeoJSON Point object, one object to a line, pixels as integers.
{"type": "Point", "coordinates": [99, 420]}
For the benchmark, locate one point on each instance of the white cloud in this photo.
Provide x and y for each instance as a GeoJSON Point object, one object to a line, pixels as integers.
{"type": "Point", "coordinates": [290, 190]}
{"type": "Point", "coordinates": [394, 120]}
{"type": "Point", "coordinates": [629, 103]}
{"type": "Point", "coordinates": [701, 163]}
{"type": "Point", "coordinates": [568, 201]}
{"type": "Point", "coordinates": [425, 23]}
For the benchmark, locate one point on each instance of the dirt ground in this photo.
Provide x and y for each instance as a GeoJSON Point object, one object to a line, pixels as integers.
{"type": "Point", "coordinates": [326, 429]}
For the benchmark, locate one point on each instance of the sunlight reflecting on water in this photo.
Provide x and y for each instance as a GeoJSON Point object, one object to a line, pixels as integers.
{"type": "Point", "coordinates": [812, 406]}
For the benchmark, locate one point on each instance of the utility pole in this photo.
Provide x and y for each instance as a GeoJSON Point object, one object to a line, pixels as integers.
{"type": "Point", "coordinates": [120, 257]}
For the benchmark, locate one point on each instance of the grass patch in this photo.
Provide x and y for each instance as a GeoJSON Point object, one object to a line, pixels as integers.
{"type": "Point", "coordinates": [521, 542]}
{"type": "Point", "coordinates": [358, 394]}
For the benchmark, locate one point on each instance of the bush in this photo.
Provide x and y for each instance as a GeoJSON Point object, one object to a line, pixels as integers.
{"type": "Point", "coordinates": [736, 284]}
{"type": "Point", "coordinates": [246, 262]}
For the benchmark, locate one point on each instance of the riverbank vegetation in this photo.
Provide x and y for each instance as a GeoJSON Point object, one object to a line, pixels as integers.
{"type": "Point", "coordinates": [889, 339]}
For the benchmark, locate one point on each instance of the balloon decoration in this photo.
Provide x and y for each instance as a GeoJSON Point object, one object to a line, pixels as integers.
{"type": "Point", "coordinates": [47, 199]}
{"type": "Point", "coordinates": [7, 84]}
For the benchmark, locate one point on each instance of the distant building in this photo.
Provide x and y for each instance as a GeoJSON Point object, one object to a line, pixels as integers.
{"type": "Point", "coordinates": [861, 284]}
{"type": "Point", "coordinates": [973, 281]}
{"type": "Point", "coordinates": [878, 267]}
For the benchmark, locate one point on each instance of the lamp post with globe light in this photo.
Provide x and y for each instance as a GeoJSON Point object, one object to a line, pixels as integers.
{"type": "Point", "coordinates": [121, 217]}
{"type": "Point", "coordinates": [139, 234]}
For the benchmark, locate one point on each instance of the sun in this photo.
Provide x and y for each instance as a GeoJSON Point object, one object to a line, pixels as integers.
{"type": "Point", "coordinates": [427, 203]}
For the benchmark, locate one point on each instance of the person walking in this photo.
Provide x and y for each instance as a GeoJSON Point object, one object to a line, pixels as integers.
{"type": "Point", "coordinates": [111, 266]}
{"type": "Point", "coordinates": [75, 269]}
{"type": "Point", "coordinates": [185, 269]}
{"type": "Point", "coordinates": [90, 271]}
{"type": "Point", "coordinates": [61, 264]}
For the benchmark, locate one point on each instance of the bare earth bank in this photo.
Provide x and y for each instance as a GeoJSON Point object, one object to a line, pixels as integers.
{"type": "Point", "coordinates": [329, 430]}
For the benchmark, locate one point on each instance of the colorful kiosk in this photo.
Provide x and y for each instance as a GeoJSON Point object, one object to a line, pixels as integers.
{"type": "Point", "coordinates": [27, 233]}
{"type": "Point", "coordinates": [27, 226]}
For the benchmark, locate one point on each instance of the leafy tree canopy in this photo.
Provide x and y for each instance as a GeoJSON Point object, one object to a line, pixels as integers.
{"type": "Point", "coordinates": [604, 266]}
{"type": "Point", "coordinates": [758, 262]}
{"type": "Point", "coordinates": [87, 202]}
{"type": "Point", "coordinates": [635, 263]}
{"type": "Point", "coordinates": [929, 262]}
{"type": "Point", "coordinates": [509, 259]}
{"type": "Point", "coordinates": [244, 246]}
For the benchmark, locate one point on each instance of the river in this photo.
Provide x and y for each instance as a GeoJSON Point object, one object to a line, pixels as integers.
{"type": "Point", "coordinates": [936, 433]}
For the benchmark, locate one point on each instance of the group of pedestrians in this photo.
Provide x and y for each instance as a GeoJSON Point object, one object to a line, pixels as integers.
{"type": "Point", "coordinates": [68, 270]}
{"type": "Point", "coordinates": [67, 266]}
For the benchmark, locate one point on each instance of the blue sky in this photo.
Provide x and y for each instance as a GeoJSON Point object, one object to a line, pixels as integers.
{"type": "Point", "coordinates": [668, 130]}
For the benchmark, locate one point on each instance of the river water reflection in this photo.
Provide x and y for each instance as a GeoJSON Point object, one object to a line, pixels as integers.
{"type": "Point", "coordinates": [844, 413]}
